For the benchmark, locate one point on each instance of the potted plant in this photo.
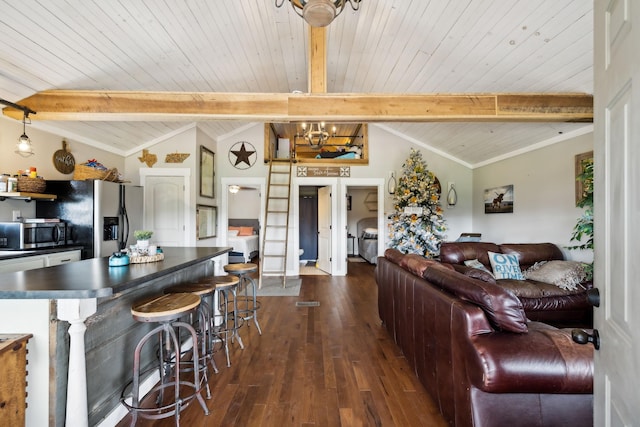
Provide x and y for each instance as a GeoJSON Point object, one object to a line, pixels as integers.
{"type": "Point", "coordinates": [584, 226]}
{"type": "Point", "coordinates": [142, 237]}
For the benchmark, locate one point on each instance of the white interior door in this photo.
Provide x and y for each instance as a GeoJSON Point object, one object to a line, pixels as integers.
{"type": "Point", "coordinates": [324, 229]}
{"type": "Point", "coordinates": [617, 209]}
{"type": "Point", "coordinates": [164, 209]}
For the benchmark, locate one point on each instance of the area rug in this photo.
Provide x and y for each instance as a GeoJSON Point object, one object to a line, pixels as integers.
{"type": "Point", "coordinates": [355, 259]}
{"type": "Point", "coordinates": [305, 270]}
{"type": "Point", "coordinates": [272, 287]}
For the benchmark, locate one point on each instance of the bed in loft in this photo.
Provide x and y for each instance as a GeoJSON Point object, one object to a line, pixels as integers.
{"type": "Point", "coordinates": [368, 239]}
{"type": "Point", "coordinates": [243, 236]}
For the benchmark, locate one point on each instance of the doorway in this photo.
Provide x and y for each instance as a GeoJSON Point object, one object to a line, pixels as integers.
{"type": "Point", "coordinates": [314, 230]}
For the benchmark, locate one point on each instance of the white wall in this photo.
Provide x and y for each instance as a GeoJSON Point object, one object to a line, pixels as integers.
{"type": "Point", "coordinates": [244, 204]}
{"type": "Point", "coordinates": [544, 196]}
{"type": "Point", "coordinates": [44, 145]}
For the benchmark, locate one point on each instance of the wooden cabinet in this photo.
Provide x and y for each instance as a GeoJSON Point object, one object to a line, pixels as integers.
{"type": "Point", "coordinates": [13, 371]}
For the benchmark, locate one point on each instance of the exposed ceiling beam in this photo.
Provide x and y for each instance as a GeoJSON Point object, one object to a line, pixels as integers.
{"type": "Point", "coordinates": [317, 59]}
{"type": "Point", "coordinates": [284, 107]}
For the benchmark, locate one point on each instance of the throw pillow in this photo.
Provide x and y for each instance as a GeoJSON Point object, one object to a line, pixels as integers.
{"type": "Point", "coordinates": [232, 233]}
{"type": "Point", "coordinates": [246, 231]}
{"type": "Point", "coordinates": [566, 275]}
{"type": "Point", "coordinates": [477, 264]}
{"type": "Point", "coordinates": [505, 266]}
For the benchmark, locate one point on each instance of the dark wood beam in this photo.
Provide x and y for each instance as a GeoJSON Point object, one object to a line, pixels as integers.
{"type": "Point", "coordinates": [284, 107]}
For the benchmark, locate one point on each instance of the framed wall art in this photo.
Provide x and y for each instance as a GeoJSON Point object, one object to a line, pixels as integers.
{"type": "Point", "coordinates": [580, 162]}
{"type": "Point", "coordinates": [207, 221]}
{"type": "Point", "coordinates": [207, 173]}
{"type": "Point", "coordinates": [498, 199]}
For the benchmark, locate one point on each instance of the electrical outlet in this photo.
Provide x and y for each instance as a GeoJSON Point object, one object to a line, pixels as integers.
{"type": "Point", "coordinates": [17, 215]}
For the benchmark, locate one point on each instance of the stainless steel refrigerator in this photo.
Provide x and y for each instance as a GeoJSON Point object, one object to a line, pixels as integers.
{"type": "Point", "coordinates": [100, 215]}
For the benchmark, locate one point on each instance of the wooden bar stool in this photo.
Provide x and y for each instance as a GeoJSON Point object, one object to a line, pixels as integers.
{"type": "Point", "coordinates": [231, 319]}
{"type": "Point", "coordinates": [201, 323]}
{"type": "Point", "coordinates": [250, 304]}
{"type": "Point", "coordinates": [166, 310]}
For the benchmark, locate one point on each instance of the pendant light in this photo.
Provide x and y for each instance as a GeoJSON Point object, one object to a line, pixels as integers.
{"type": "Point", "coordinates": [23, 147]}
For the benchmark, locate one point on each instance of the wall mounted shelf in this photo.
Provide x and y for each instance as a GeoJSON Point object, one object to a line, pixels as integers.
{"type": "Point", "coordinates": [27, 197]}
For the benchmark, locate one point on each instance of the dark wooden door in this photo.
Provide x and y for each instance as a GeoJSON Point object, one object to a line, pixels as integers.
{"type": "Point", "coordinates": [309, 226]}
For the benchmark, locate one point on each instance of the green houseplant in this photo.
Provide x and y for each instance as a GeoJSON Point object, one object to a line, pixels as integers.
{"type": "Point", "coordinates": [142, 237]}
{"type": "Point", "coordinates": [142, 234]}
{"type": "Point", "coordinates": [583, 230]}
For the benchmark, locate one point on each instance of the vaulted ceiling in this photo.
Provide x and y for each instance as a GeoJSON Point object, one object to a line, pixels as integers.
{"type": "Point", "coordinates": [388, 47]}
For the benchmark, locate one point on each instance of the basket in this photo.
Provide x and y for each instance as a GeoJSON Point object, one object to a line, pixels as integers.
{"type": "Point", "coordinates": [146, 258]}
{"type": "Point", "coordinates": [82, 172]}
{"type": "Point", "coordinates": [31, 185]}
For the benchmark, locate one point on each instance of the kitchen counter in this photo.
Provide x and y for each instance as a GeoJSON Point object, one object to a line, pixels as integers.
{"type": "Point", "coordinates": [93, 278]}
{"type": "Point", "coordinates": [84, 336]}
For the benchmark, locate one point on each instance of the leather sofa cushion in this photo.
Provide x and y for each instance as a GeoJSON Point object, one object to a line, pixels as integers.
{"type": "Point", "coordinates": [545, 360]}
{"type": "Point", "coordinates": [530, 253]}
{"type": "Point", "coordinates": [502, 308]}
{"type": "Point", "coordinates": [393, 255]}
{"type": "Point", "coordinates": [474, 273]}
{"type": "Point", "coordinates": [459, 252]}
{"type": "Point", "coordinates": [418, 264]}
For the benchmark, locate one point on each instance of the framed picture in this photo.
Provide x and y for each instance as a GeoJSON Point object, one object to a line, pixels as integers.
{"type": "Point", "coordinates": [498, 199]}
{"type": "Point", "coordinates": [207, 173]}
{"type": "Point", "coordinates": [207, 221]}
{"type": "Point", "coordinates": [581, 160]}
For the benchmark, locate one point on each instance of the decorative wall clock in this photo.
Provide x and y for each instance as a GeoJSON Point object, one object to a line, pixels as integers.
{"type": "Point", "coordinates": [242, 155]}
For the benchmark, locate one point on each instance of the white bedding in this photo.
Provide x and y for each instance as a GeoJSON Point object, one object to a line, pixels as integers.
{"type": "Point", "coordinates": [244, 245]}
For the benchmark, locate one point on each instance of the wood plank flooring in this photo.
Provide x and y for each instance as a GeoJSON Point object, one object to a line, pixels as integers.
{"type": "Point", "coordinates": [331, 365]}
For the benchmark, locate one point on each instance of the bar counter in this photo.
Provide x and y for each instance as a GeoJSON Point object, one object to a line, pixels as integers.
{"type": "Point", "coordinates": [89, 302]}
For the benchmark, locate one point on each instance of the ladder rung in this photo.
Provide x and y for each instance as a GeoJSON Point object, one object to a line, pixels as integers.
{"type": "Point", "coordinates": [281, 172]}
{"type": "Point", "coordinates": [278, 198]}
{"type": "Point", "coordinates": [275, 226]}
{"type": "Point", "coordinates": [280, 185]}
{"type": "Point", "coordinates": [275, 240]}
{"type": "Point", "coordinates": [272, 256]}
{"type": "Point", "coordinates": [276, 211]}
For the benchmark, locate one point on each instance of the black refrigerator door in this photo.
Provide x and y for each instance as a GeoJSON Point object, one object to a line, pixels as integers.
{"type": "Point", "coordinates": [74, 205]}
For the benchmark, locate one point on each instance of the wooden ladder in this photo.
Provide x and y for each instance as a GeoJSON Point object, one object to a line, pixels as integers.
{"type": "Point", "coordinates": [273, 257]}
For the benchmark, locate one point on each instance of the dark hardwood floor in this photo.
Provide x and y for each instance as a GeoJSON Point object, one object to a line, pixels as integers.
{"type": "Point", "coordinates": [331, 365]}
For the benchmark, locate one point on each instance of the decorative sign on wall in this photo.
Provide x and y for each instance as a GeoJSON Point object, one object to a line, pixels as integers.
{"type": "Point", "coordinates": [242, 155]}
{"type": "Point", "coordinates": [176, 157]}
{"type": "Point", "coordinates": [148, 158]}
{"type": "Point", "coordinates": [324, 171]}
{"type": "Point", "coordinates": [63, 160]}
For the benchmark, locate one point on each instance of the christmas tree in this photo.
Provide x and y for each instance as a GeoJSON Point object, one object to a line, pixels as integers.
{"type": "Point", "coordinates": [421, 230]}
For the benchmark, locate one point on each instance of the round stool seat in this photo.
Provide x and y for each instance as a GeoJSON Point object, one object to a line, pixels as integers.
{"type": "Point", "coordinates": [200, 289]}
{"type": "Point", "coordinates": [241, 268]}
{"type": "Point", "coordinates": [165, 307]}
{"type": "Point", "coordinates": [226, 282]}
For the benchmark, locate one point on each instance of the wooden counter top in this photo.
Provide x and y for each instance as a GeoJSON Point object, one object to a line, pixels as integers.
{"type": "Point", "coordinates": [93, 278]}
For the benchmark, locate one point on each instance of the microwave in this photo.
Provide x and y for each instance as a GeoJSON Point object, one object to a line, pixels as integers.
{"type": "Point", "coordinates": [19, 235]}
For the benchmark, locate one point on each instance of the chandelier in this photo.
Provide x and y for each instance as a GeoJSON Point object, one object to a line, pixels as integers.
{"type": "Point", "coordinates": [319, 13]}
{"type": "Point", "coordinates": [316, 135]}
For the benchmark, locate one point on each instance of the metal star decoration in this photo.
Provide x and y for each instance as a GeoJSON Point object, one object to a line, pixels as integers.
{"type": "Point", "coordinates": [242, 155]}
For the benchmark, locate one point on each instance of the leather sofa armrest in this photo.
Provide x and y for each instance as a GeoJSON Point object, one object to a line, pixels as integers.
{"type": "Point", "coordinates": [544, 360]}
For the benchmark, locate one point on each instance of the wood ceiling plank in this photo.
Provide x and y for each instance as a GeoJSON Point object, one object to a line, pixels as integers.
{"type": "Point", "coordinates": [283, 107]}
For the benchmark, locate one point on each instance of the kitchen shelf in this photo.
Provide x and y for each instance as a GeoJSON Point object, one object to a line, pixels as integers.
{"type": "Point", "coordinates": [27, 197]}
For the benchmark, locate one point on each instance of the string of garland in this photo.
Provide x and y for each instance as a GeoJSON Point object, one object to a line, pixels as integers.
{"type": "Point", "coordinates": [417, 233]}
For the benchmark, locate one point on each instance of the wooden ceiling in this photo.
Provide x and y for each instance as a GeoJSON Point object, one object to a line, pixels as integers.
{"type": "Point", "coordinates": [476, 79]}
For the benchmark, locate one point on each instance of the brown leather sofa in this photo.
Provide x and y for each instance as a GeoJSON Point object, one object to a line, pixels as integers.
{"type": "Point", "coordinates": [543, 302]}
{"type": "Point", "coordinates": [472, 347]}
